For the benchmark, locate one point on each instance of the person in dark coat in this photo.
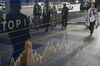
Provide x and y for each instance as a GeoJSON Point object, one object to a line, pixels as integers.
{"type": "Point", "coordinates": [92, 18]}
{"type": "Point", "coordinates": [82, 6]}
{"type": "Point", "coordinates": [17, 38]}
{"type": "Point", "coordinates": [54, 15]}
{"type": "Point", "coordinates": [46, 16]}
{"type": "Point", "coordinates": [37, 13]}
{"type": "Point", "coordinates": [64, 14]}
{"type": "Point", "coordinates": [1, 13]}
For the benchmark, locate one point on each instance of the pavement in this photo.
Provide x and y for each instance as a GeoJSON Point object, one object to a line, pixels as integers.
{"type": "Point", "coordinates": [80, 49]}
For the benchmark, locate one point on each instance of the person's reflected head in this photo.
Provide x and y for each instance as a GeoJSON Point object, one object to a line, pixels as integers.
{"type": "Point", "coordinates": [64, 5]}
{"type": "Point", "coordinates": [54, 7]}
{"type": "Point", "coordinates": [92, 5]}
{"type": "Point", "coordinates": [15, 5]}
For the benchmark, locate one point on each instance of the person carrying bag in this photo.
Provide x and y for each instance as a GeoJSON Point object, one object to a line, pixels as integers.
{"type": "Point", "coordinates": [92, 18]}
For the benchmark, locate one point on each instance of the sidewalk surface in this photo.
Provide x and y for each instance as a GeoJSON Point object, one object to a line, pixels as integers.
{"type": "Point", "coordinates": [79, 48]}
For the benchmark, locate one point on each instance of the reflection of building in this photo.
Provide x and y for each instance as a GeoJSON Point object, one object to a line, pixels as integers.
{"type": "Point", "coordinates": [89, 0]}
{"type": "Point", "coordinates": [8, 5]}
{"type": "Point", "coordinates": [30, 1]}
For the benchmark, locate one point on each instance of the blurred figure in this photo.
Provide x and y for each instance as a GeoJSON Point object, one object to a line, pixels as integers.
{"type": "Point", "coordinates": [17, 38]}
{"type": "Point", "coordinates": [82, 6]}
{"type": "Point", "coordinates": [1, 18]}
{"type": "Point", "coordinates": [54, 14]}
{"type": "Point", "coordinates": [1, 13]}
{"type": "Point", "coordinates": [37, 14]}
{"type": "Point", "coordinates": [92, 17]}
{"type": "Point", "coordinates": [64, 14]}
{"type": "Point", "coordinates": [46, 16]}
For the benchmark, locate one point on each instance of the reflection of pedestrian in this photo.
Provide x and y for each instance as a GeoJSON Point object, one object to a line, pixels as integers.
{"type": "Point", "coordinates": [37, 14]}
{"type": "Point", "coordinates": [1, 14]}
{"type": "Point", "coordinates": [1, 18]}
{"type": "Point", "coordinates": [17, 38]}
{"type": "Point", "coordinates": [54, 14]}
{"type": "Point", "coordinates": [64, 14]}
{"type": "Point", "coordinates": [92, 15]}
{"type": "Point", "coordinates": [46, 16]}
{"type": "Point", "coordinates": [81, 6]}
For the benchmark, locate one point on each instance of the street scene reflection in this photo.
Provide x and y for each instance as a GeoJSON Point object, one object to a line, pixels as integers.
{"type": "Point", "coordinates": [49, 32]}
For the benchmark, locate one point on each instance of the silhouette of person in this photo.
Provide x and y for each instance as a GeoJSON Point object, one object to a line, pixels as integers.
{"type": "Point", "coordinates": [81, 6]}
{"type": "Point", "coordinates": [37, 13]}
{"type": "Point", "coordinates": [64, 14]}
{"type": "Point", "coordinates": [46, 16]}
{"type": "Point", "coordinates": [54, 14]}
{"type": "Point", "coordinates": [17, 38]}
{"type": "Point", "coordinates": [92, 18]}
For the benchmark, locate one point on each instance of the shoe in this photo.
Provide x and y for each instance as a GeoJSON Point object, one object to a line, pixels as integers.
{"type": "Point", "coordinates": [65, 26]}
{"type": "Point", "coordinates": [46, 30]}
{"type": "Point", "coordinates": [90, 34]}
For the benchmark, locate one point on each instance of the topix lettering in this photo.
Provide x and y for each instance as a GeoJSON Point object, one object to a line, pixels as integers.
{"type": "Point", "coordinates": [12, 25]}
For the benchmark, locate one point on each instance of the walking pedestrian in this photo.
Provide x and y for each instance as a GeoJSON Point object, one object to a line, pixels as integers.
{"type": "Point", "coordinates": [92, 17]}
{"type": "Point", "coordinates": [54, 14]}
{"type": "Point", "coordinates": [82, 6]}
{"type": "Point", "coordinates": [1, 15]}
{"type": "Point", "coordinates": [64, 14]}
{"type": "Point", "coordinates": [46, 16]}
{"type": "Point", "coordinates": [37, 14]}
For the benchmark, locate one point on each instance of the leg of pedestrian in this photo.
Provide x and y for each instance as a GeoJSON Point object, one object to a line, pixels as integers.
{"type": "Point", "coordinates": [92, 27]}
{"type": "Point", "coordinates": [37, 23]}
{"type": "Point", "coordinates": [62, 23]}
{"type": "Point", "coordinates": [47, 25]}
{"type": "Point", "coordinates": [65, 23]}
